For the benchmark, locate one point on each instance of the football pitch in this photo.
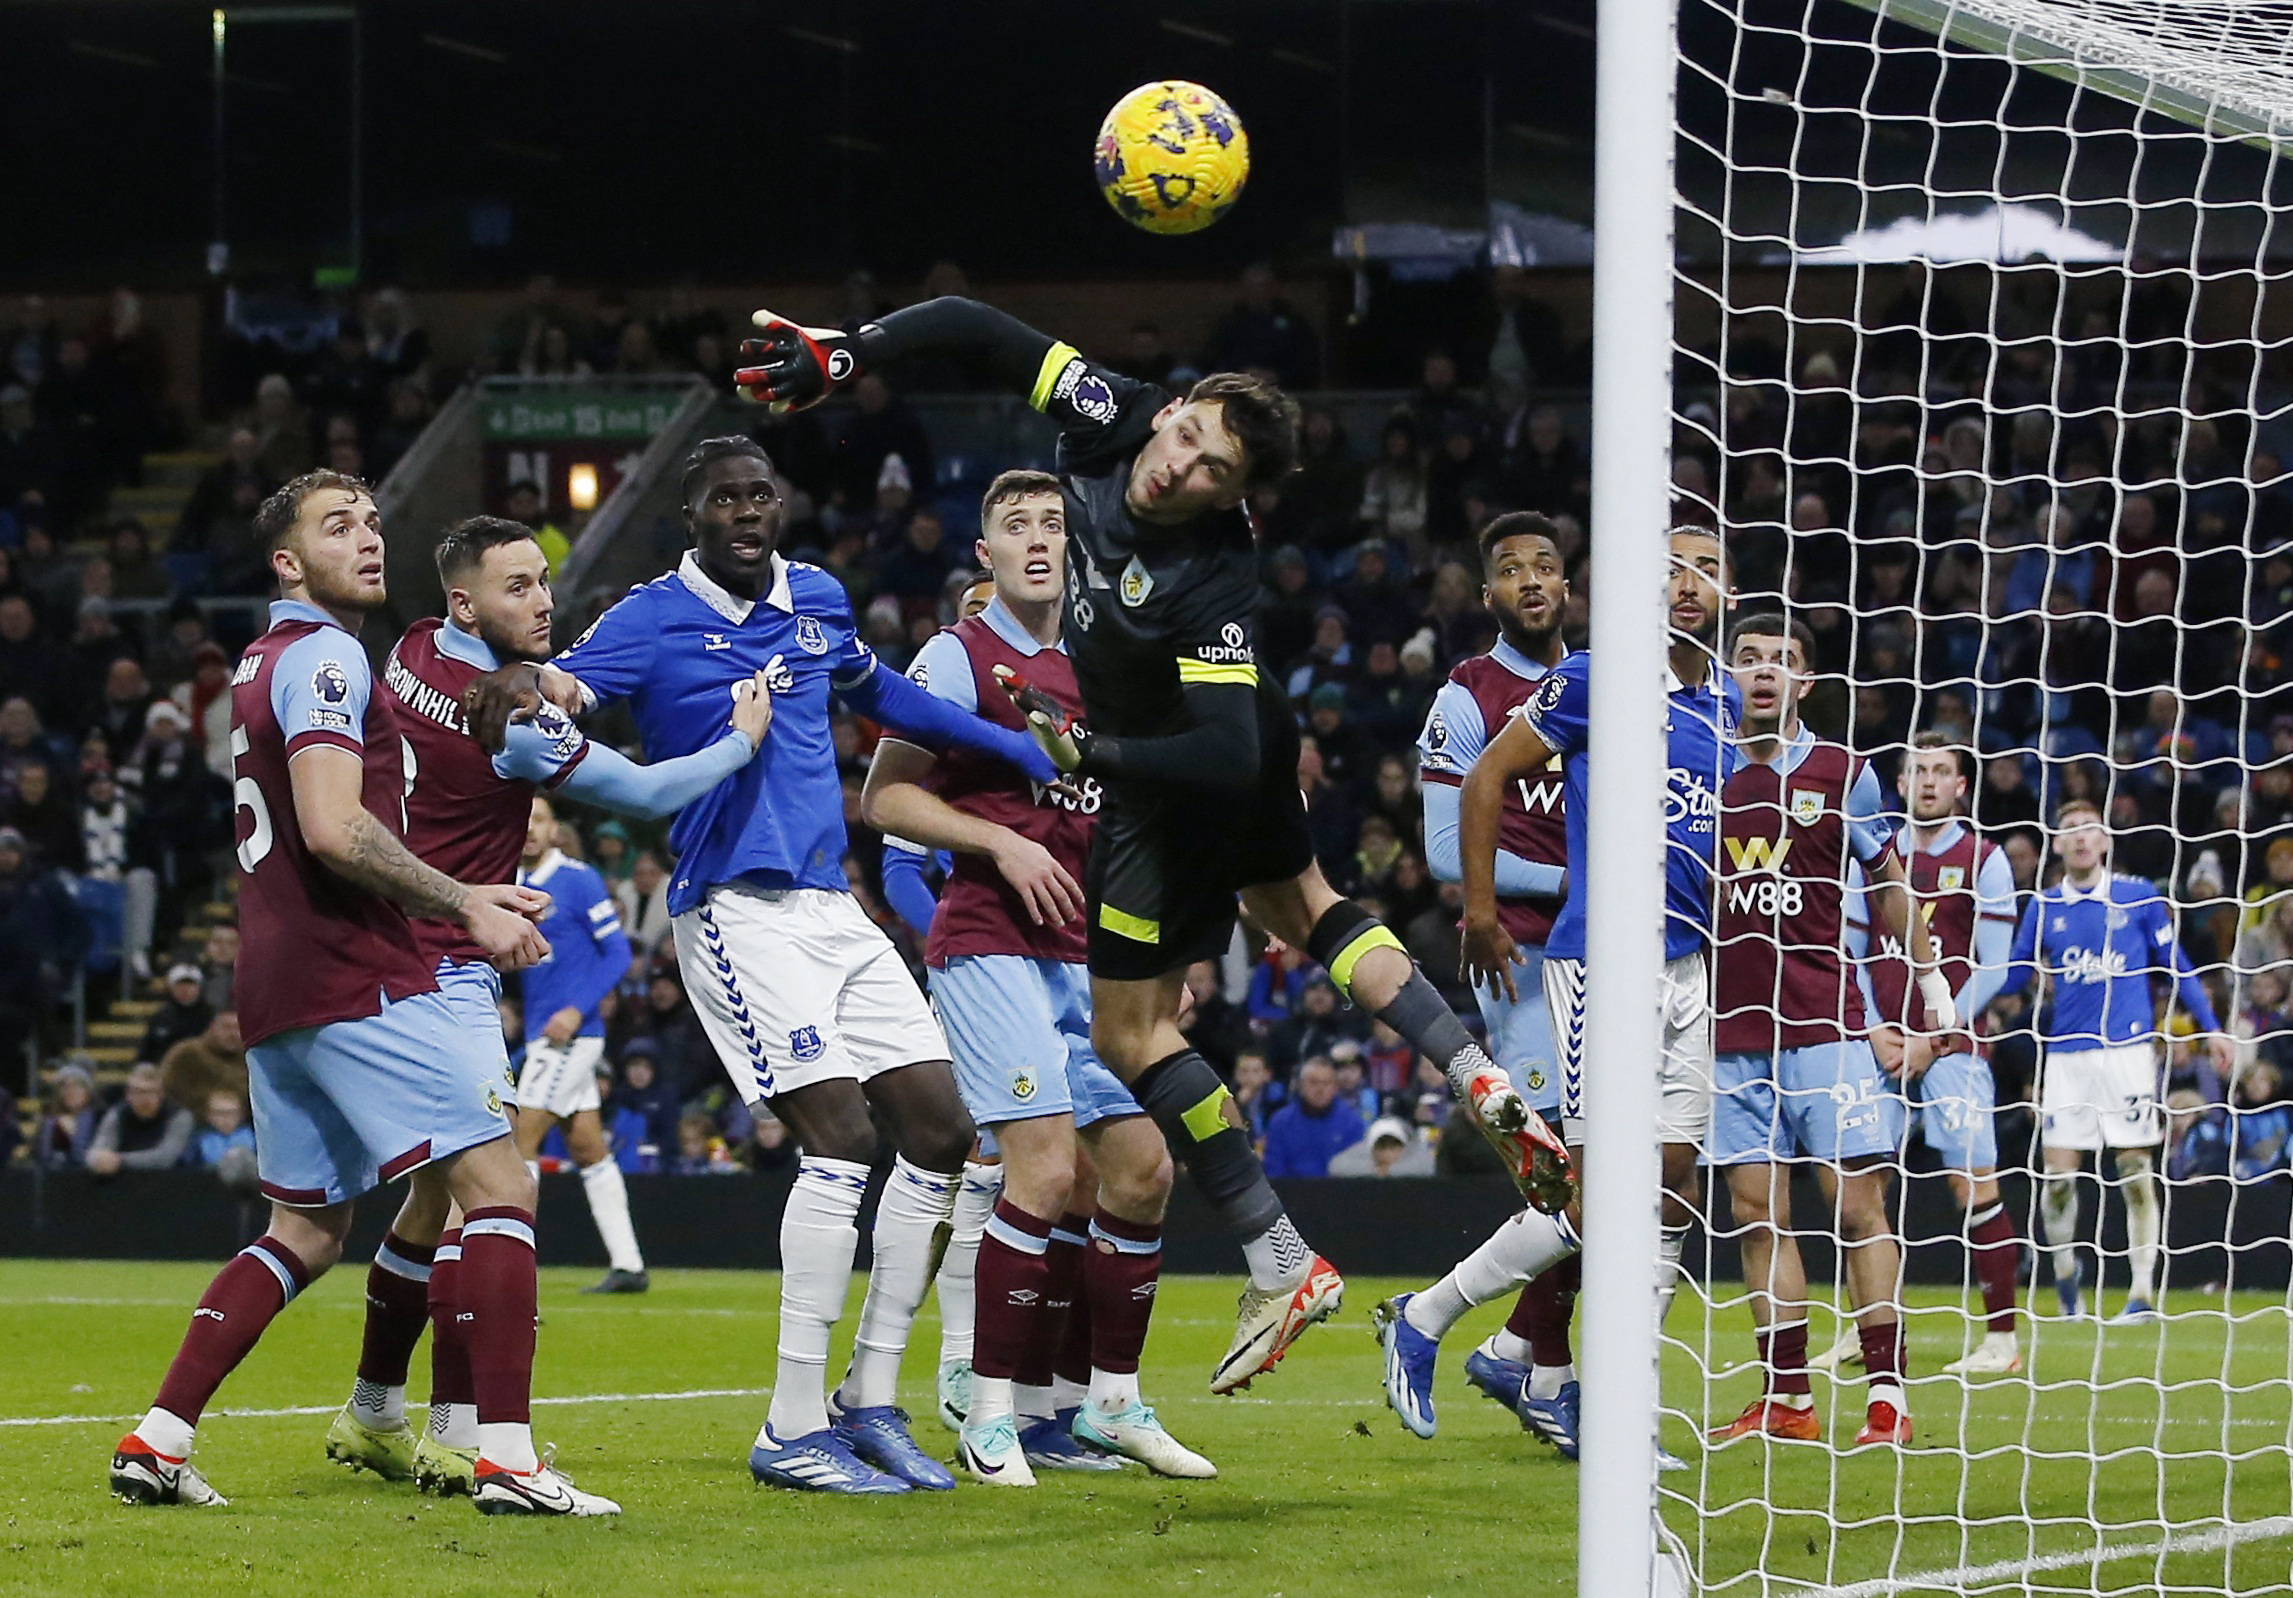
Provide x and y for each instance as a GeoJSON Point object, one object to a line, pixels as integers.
{"type": "Point", "coordinates": [653, 1401]}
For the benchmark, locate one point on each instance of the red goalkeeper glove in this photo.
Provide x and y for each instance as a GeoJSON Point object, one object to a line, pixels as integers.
{"type": "Point", "coordinates": [793, 368]}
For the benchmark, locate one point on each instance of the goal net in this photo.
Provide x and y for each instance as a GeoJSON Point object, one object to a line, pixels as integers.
{"type": "Point", "coordinates": [1981, 361]}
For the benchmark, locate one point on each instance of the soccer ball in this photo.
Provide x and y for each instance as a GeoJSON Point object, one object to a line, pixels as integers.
{"type": "Point", "coordinates": [1172, 157]}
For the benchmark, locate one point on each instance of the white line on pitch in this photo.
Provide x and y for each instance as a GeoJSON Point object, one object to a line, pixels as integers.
{"type": "Point", "coordinates": [1962, 1577]}
{"type": "Point", "coordinates": [328, 1409]}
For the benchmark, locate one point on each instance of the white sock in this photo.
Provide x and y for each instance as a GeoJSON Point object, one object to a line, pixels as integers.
{"type": "Point", "coordinates": [454, 1425]}
{"type": "Point", "coordinates": [1031, 1403]}
{"type": "Point", "coordinates": [376, 1406]}
{"type": "Point", "coordinates": [1546, 1381]}
{"type": "Point", "coordinates": [1113, 1392]}
{"type": "Point", "coordinates": [509, 1444]}
{"type": "Point", "coordinates": [991, 1397]}
{"type": "Point", "coordinates": [1066, 1395]}
{"type": "Point", "coordinates": [1505, 1343]}
{"type": "Point", "coordinates": [2144, 1223]}
{"type": "Point", "coordinates": [959, 1267]}
{"type": "Point", "coordinates": [609, 1208]}
{"type": "Point", "coordinates": [1525, 1246]}
{"type": "Point", "coordinates": [817, 1242]}
{"type": "Point", "coordinates": [2058, 1217]}
{"type": "Point", "coordinates": [168, 1432]}
{"type": "Point", "coordinates": [915, 1205]}
{"type": "Point", "coordinates": [1668, 1250]}
{"type": "Point", "coordinates": [1277, 1257]}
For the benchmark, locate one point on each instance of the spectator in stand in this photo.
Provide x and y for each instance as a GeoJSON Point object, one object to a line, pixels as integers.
{"type": "Point", "coordinates": [768, 1149]}
{"type": "Point", "coordinates": [1277, 985]}
{"type": "Point", "coordinates": [282, 430]}
{"type": "Point", "coordinates": [1319, 1025]}
{"type": "Point", "coordinates": [219, 963]}
{"type": "Point", "coordinates": [1256, 1094]}
{"type": "Point", "coordinates": [1314, 1126]}
{"type": "Point", "coordinates": [2263, 1133]}
{"type": "Point", "coordinates": [136, 573]}
{"type": "Point", "coordinates": [46, 817]}
{"type": "Point", "coordinates": [523, 503]}
{"type": "Point", "coordinates": [1218, 1028]}
{"type": "Point", "coordinates": [1147, 358]}
{"type": "Point", "coordinates": [405, 414]}
{"type": "Point", "coordinates": [917, 569]}
{"type": "Point", "coordinates": [681, 1052]}
{"type": "Point", "coordinates": [1324, 495]}
{"type": "Point", "coordinates": [1377, 603]}
{"type": "Point", "coordinates": [2007, 799]}
{"type": "Point", "coordinates": [109, 868]}
{"type": "Point", "coordinates": [878, 425]}
{"type": "Point", "coordinates": [143, 1132]}
{"type": "Point", "coordinates": [1286, 613]}
{"type": "Point", "coordinates": [1329, 661]}
{"type": "Point", "coordinates": [67, 1125]}
{"type": "Point", "coordinates": [32, 668]}
{"type": "Point", "coordinates": [42, 938]}
{"type": "Point", "coordinates": [183, 1013]}
{"type": "Point", "coordinates": [206, 699]}
{"type": "Point", "coordinates": [1264, 333]}
{"type": "Point", "coordinates": [186, 808]}
{"type": "Point", "coordinates": [22, 741]}
{"type": "Point", "coordinates": [701, 1148]}
{"type": "Point", "coordinates": [1393, 497]}
{"type": "Point", "coordinates": [1392, 1148]}
{"type": "Point", "coordinates": [1344, 751]}
{"type": "Point", "coordinates": [882, 523]}
{"type": "Point", "coordinates": [397, 345]}
{"type": "Point", "coordinates": [1351, 1062]}
{"type": "Point", "coordinates": [345, 381]}
{"type": "Point", "coordinates": [118, 714]}
{"type": "Point", "coordinates": [215, 1060]}
{"type": "Point", "coordinates": [646, 914]}
{"type": "Point", "coordinates": [609, 853]}
{"type": "Point", "coordinates": [551, 351]}
{"type": "Point", "coordinates": [1382, 702]}
{"type": "Point", "coordinates": [1330, 812]}
{"type": "Point", "coordinates": [223, 1127]}
{"type": "Point", "coordinates": [646, 1096]}
{"type": "Point", "coordinates": [46, 474]}
{"type": "Point", "coordinates": [1456, 478]}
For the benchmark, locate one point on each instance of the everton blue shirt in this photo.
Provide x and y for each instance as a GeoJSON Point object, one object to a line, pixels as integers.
{"type": "Point", "coordinates": [2100, 946]}
{"type": "Point", "coordinates": [1700, 755]}
{"type": "Point", "coordinates": [588, 951]}
{"type": "Point", "coordinates": [675, 648]}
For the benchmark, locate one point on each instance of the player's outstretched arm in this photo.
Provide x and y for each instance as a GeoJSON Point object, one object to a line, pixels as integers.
{"type": "Point", "coordinates": [610, 780]}
{"type": "Point", "coordinates": [916, 715]}
{"type": "Point", "coordinates": [515, 693]}
{"type": "Point", "coordinates": [1220, 749]}
{"type": "Point", "coordinates": [344, 836]}
{"type": "Point", "coordinates": [905, 888]}
{"type": "Point", "coordinates": [1517, 875]}
{"type": "Point", "coordinates": [1488, 952]}
{"type": "Point", "coordinates": [791, 367]}
{"type": "Point", "coordinates": [895, 801]}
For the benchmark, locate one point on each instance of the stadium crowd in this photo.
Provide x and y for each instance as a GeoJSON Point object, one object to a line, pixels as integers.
{"type": "Point", "coordinates": [2130, 645]}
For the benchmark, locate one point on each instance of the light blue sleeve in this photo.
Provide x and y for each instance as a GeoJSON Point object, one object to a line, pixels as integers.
{"type": "Point", "coordinates": [1517, 877]}
{"type": "Point", "coordinates": [1994, 933]}
{"type": "Point", "coordinates": [942, 668]}
{"type": "Point", "coordinates": [1869, 831]}
{"type": "Point", "coordinates": [1560, 711]}
{"type": "Point", "coordinates": [1855, 933]}
{"type": "Point", "coordinates": [610, 780]}
{"type": "Point", "coordinates": [1453, 737]}
{"type": "Point", "coordinates": [612, 658]}
{"type": "Point", "coordinates": [538, 750]}
{"type": "Point", "coordinates": [319, 689]}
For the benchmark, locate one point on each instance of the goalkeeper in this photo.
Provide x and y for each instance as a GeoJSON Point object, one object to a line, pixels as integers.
{"type": "Point", "coordinates": [1198, 753]}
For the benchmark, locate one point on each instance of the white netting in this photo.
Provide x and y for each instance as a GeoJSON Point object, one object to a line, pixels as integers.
{"type": "Point", "coordinates": [1985, 372]}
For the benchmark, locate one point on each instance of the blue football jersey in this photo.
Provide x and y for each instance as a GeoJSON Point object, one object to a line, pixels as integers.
{"type": "Point", "coordinates": [1700, 755]}
{"type": "Point", "coordinates": [675, 648]}
{"type": "Point", "coordinates": [589, 952]}
{"type": "Point", "coordinates": [2101, 945]}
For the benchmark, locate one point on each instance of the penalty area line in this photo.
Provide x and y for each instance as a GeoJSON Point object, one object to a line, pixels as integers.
{"type": "Point", "coordinates": [1961, 1577]}
{"type": "Point", "coordinates": [328, 1409]}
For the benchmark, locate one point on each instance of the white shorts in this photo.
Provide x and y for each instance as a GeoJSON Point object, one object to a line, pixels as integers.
{"type": "Point", "coordinates": [562, 1081]}
{"type": "Point", "coordinates": [796, 986]}
{"type": "Point", "coordinates": [1685, 1069]}
{"type": "Point", "coordinates": [2100, 1098]}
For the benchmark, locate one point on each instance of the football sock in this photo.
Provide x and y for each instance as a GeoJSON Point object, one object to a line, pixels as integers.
{"type": "Point", "coordinates": [1013, 1276]}
{"type": "Point", "coordinates": [609, 1207]}
{"type": "Point", "coordinates": [2144, 1221]}
{"type": "Point", "coordinates": [1529, 1243]}
{"type": "Point", "coordinates": [1031, 1401]}
{"type": "Point", "coordinates": [1071, 1366]}
{"type": "Point", "coordinates": [817, 1242]}
{"type": "Point", "coordinates": [958, 1270]}
{"type": "Point", "coordinates": [1668, 1250]}
{"type": "Point", "coordinates": [261, 1279]}
{"type": "Point", "coordinates": [909, 1217]}
{"type": "Point", "coordinates": [1120, 1272]}
{"type": "Point", "coordinates": [453, 1407]}
{"type": "Point", "coordinates": [499, 1290]}
{"type": "Point", "coordinates": [397, 1308]}
{"type": "Point", "coordinates": [1342, 936]}
{"type": "Point", "coordinates": [1546, 1305]}
{"type": "Point", "coordinates": [1546, 1381]}
{"type": "Point", "coordinates": [2058, 1216]}
{"type": "Point", "coordinates": [1062, 1281]}
{"type": "Point", "coordinates": [1783, 1352]}
{"type": "Point", "coordinates": [1884, 1361]}
{"type": "Point", "coordinates": [1998, 1263]}
{"type": "Point", "coordinates": [1195, 1112]}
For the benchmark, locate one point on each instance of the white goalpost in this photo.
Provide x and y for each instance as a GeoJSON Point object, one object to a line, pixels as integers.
{"type": "Point", "coordinates": [1970, 323]}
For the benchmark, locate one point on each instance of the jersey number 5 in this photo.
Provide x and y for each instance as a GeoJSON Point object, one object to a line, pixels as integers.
{"type": "Point", "coordinates": [247, 795]}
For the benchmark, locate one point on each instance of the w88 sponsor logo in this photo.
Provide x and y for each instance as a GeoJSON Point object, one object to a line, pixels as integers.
{"type": "Point", "coordinates": [1768, 896]}
{"type": "Point", "coordinates": [1083, 801]}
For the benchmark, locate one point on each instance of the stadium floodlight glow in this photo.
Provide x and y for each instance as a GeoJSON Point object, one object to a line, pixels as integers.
{"type": "Point", "coordinates": [1980, 326]}
{"type": "Point", "coordinates": [581, 486]}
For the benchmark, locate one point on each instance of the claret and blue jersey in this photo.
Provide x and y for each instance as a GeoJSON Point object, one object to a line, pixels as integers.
{"type": "Point", "coordinates": [1699, 732]}
{"type": "Point", "coordinates": [676, 648]}
{"type": "Point", "coordinates": [2100, 946]}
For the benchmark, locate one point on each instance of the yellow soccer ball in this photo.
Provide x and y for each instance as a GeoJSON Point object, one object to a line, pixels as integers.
{"type": "Point", "coordinates": [1172, 157]}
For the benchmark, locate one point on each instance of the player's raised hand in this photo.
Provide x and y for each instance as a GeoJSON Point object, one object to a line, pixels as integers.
{"type": "Point", "coordinates": [497, 698]}
{"type": "Point", "coordinates": [500, 916]}
{"type": "Point", "coordinates": [752, 708]}
{"type": "Point", "coordinates": [1061, 736]}
{"type": "Point", "coordinates": [1043, 885]}
{"type": "Point", "coordinates": [792, 368]}
{"type": "Point", "coordinates": [1487, 955]}
{"type": "Point", "coordinates": [2223, 1051]}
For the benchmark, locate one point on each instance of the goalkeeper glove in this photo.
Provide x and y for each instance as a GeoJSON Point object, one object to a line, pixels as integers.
{"type": "Point", "coordinates": [793, 368]}
{"type": "Point", "coordinates": [1066, 740]}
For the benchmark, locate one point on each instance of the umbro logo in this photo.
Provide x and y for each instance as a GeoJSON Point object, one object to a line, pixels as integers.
{"type": "Point", "coordinates": [1023, 1295]}
{"type": "Point", "coordinates": [211, 1314]}
{"type": "Point", "coordinates": [1143, 1290]}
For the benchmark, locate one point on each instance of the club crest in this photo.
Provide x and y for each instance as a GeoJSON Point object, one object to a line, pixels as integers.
{"type": "Point", "coordinates": [1951, 878]}
{"type": "Point", "coordinates": [1137, 582]}
{"type": "Point", "coordinates": [810, 636]}
{"type": "Point", "coordinates": [1807, 805]}
{"type": "Point", "coordinates": [804, 1043]}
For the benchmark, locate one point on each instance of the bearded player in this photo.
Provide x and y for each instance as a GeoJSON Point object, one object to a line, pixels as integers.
{"type": "Point", "coordinates": [1527, 1365]}
{"type": "Point", "coordinates": [470, 813]}
{"type": "Point", "coordinates": [1195, 750]}
{"type": "Point", "coordinates": [1804, 1074]}
{"type": "Point", "coordinates": [1008, 982]}
{"type": "Point", "coordinates": [359, 1068]}
{"type": "Point", "coordinates": [1555, 722]}
{"type": "Point", "coordinates": [1964, 887]}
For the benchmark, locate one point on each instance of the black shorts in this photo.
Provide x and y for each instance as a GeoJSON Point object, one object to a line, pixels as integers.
{"type": "Point", "coordinates": [1166, 864]}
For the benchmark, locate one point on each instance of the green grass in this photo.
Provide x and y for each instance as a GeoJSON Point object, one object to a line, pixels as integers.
{"type": "Point", "coordinates": [1321, 1491]}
